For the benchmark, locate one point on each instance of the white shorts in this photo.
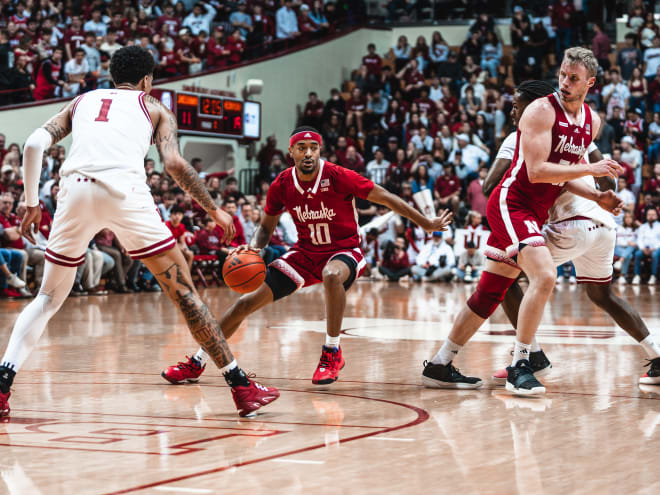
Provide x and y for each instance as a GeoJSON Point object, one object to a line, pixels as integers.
{"type": "Point", "coordinates": [85, 206]}
{"type": "Point", "coordinates": [587, 243]}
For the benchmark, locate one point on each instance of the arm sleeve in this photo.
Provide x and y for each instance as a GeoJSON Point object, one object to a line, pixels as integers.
{"type": "Point", "coordinates": [33, 154]}
{"type": "Point", "coordinates": [274, 205]}
{"type": "Point", "coordinates": [592, 147]}
{"type": "Point", "coordinates": [350, 182]}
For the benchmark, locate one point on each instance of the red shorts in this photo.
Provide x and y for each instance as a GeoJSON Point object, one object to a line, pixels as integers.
{"type": "Point", "coordinates": [510, 226]}
{"type": "Point", "coordinates": [306, 268]}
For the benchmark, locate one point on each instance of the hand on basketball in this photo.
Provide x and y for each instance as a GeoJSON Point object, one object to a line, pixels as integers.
{"type": "Point", "coordinates": [226, 223]}
{"type": "Point", "coordinates": [606, 168]}
{"type": "Point", "coordinates": [244, 248]}
{"type": "Point", "coordinates": [610, 202]}
{"type": "Point", "coordinates": [439, 223]}
{"type": "Point", "coordinates": [30, 223]}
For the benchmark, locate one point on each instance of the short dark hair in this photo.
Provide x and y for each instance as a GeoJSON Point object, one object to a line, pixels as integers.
{"type": "Point", "coordinates": [176, 209]}
{"type": "Point", "coordinates": [130, 64]}
{"type": "Point", "coordinates": [232, 180]}
{"type": "Point", "coordinates": [79, 50]}
{"type": "Point", "coordinates": [470, 245]}
{"type": "Point", "coordinates": [230, 199]}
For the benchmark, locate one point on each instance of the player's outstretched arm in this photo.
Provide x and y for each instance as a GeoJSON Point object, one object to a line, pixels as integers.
{"type": "Point", "coordinates": [495, 174]}
{"type": "Point", "coordinates": [536, 141]}
{"type": "Point", "coordinates": [167, 143]}
{"type": "Point", "coordinates": [397, 205]}
{"type": "Point", "coordinates": [607, 200]}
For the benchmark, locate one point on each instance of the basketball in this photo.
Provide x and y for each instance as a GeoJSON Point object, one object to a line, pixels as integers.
{"type": "Point", "coordinates": [244, 272]}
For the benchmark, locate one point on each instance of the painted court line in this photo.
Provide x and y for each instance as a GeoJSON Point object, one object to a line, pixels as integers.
{"type": "Point", "coordinates": [297, 461]}
{"type": "Point", "coordinates": [390, 439]}
{"type": "Point", "coordinates": [183, 490]}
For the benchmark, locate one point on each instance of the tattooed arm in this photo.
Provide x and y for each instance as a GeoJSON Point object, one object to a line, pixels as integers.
{"type": "Point", "coordinates": [59, 126]}
{"type": "Point", "coordinates": [167, 143]}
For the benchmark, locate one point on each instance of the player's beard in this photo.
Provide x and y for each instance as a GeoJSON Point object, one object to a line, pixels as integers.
{"type": "Point", "coordinates": [305, 169]}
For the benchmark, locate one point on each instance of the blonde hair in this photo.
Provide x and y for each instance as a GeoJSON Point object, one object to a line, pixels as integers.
{"type": "Point", "coordinates": [583, 56]}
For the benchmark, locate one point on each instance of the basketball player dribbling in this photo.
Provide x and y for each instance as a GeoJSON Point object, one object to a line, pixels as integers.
{"type": "Point", "coordinates": [321, 199]}
{"type": "Point", "coordinates": [578, 230]}
{"type": "Point", "coordinates": [553, 136]}
{"type": "Point", "coordinates": [104, 185]}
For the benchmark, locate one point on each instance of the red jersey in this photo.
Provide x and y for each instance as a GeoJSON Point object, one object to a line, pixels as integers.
{"type": "Point", "coordinates": [324, 210]}
{"type": "Point", "coordinates": [569, 145]}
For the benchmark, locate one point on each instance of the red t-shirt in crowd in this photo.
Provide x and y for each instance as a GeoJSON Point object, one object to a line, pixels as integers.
{"type": "Point", "coordinates": [177, 231]}
{"type": "Point", "coordinates": [447, 184]}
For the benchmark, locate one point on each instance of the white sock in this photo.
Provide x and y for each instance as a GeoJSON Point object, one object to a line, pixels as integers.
{"type": "Point", "coordinates": [535, 346]}
{"type": "Point", "coordinates": [447, 353]}
{"type": "Point", "coordinates": [201, 357]}
{"type": "Point", "coordinates": [650, 347]}
{"type": "Point", "coordinates": [229, 367]}
{"type": "Point", "coordinates": [332, 341]}
{"type": "Point", "coordinates": [520, 351]}
{"type": "Point", "coordinates": [32, 321]}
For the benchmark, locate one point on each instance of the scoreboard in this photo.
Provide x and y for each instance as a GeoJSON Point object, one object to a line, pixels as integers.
{"type": "Point", "coordinates": [213, 116]}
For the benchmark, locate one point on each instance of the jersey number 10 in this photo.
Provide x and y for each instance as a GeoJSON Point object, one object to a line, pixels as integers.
{"type": "Point", "coordinates": [320, 233]}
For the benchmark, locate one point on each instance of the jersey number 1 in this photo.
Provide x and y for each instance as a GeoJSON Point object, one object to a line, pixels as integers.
{"type": "Point", "coordinates": [320, 233]}
{"type": "Point", "coordinates": [105, 108]}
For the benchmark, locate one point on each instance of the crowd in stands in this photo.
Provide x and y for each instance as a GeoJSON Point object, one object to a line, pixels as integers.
{"type": "Point", "coordinates": [425, 115]}
{"type": "Point", "coordinates": [424, 118]}
{"type": "Point", "coordinates": [59, 49]}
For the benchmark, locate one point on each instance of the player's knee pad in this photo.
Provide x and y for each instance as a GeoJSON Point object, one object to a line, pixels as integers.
{"type": "Point", "coordinates": [489, 294]}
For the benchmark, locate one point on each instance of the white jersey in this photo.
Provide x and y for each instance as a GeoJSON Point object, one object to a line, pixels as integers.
{"type": "Point", "coordinates": [567, 205]}
{"type": "Point", "coordinates": [112, 132]}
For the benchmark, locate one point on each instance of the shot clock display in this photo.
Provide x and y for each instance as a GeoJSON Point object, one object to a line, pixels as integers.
{"type": "Point", "coordinates": [213, 116]}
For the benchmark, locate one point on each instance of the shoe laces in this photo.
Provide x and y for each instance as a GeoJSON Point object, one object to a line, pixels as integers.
{"type": "Point", "coordinates": [327, 358]}
{"type": "Point", "coordinates": [188, 364]}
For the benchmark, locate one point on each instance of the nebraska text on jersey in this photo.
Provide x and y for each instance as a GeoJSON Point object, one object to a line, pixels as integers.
{"type": "Point", "coordinates": [322, 214]}
{"type": "Point", "coordinates": [574, 149]}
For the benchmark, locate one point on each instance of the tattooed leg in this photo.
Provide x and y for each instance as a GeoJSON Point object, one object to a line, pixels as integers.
{"type": "Point", "coordinates": [171, 271]}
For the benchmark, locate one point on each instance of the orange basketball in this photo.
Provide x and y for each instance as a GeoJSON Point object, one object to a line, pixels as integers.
{"type": "Point", "coordinates": [244, 272]}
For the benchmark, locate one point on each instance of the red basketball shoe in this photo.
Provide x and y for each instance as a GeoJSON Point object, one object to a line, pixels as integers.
{"type": "Point", "coordinates": [4, 404]}
{"type": "Point", "coordinates": [189, 371]}
{"type": "Point", "coordinates": [330, 363]}
{"type": "Point", "coordinates": [251, 397]}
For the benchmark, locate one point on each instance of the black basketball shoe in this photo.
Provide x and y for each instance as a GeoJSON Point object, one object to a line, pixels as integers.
{"type": "Point", "coordinates": [446, 376]}
{"type": "Point", "coordinates": [537, 360]}
{"type": "Point", "coordinates": [521, 380]}
{"type": "Point", "coordinates": [652, 376]}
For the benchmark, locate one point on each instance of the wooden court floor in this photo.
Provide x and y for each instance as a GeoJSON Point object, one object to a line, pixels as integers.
{"type": "Point", "coordinates": [91, 415]}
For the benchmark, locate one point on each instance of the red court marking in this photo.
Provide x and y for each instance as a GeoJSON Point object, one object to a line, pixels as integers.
{"type": "Point", "coordinates": [422, 416]}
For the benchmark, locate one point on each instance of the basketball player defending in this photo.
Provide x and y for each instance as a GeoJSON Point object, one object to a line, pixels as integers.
{"type": "Point", "coordinates": [553, 136]}
{"type": "Point", "coordinates": [578, 230]}
{"type": "Point", "coordinates": [103, 185]}
{"type": "Point", "coordinates": [321, 198]}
